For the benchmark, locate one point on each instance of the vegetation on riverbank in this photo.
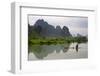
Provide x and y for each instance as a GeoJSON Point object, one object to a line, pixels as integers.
{"type": "Point", "coordinates": [49, 41]}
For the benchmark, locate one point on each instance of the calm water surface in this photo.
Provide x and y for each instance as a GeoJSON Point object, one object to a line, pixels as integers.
{"type": "Point", "coordinates": [59, 51]}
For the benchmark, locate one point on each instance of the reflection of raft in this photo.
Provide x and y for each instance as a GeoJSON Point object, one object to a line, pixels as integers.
{"type": "Point", "coordinates": [68, 47]}
{"type": "Point", "coordinates": [71, 47]}
{"type": "Point", "coordinates": [76, 47]}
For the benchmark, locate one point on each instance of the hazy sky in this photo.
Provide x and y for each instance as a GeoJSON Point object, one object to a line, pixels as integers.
{"type": "Point", "coordinates": [75, 24]}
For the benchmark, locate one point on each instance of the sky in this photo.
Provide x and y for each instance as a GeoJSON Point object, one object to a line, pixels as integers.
{"type": "Point", "coordinates": [76, 25]}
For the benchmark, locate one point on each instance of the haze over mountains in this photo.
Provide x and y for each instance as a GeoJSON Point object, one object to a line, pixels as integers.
{"type": "Point", "coordinates": [43, 29]}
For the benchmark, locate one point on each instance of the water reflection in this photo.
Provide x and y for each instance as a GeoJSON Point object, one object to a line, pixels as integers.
{"type": "Point", "coordinates": [41, 51]}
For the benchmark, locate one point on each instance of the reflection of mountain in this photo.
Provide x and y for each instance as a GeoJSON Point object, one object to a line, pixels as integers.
{"type": "Point", "coordinates": [43, 29]}
{"type": "Point", "coordinates": [41, 51]}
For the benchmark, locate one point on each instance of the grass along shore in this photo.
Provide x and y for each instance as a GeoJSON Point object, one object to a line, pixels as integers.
{"type": "Point", "coordinates": [48, 41]}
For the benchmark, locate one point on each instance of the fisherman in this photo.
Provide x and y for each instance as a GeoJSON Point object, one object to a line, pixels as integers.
{"type": "Point", "coordinates": [77, 47]}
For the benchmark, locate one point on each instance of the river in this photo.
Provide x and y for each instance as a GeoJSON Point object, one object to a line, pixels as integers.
{"type": "Point", "coordinates": [58, 51]}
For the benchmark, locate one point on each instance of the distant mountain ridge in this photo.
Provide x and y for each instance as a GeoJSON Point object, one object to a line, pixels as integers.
{"type": "Point", "coordinates": [43, 29]}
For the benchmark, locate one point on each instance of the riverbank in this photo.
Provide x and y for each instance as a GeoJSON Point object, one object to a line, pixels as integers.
{"type": "Point", "coordinates": [49, 41]}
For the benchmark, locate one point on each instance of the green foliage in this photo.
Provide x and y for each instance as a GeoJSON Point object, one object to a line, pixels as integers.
{"type": "Point", "coordinates": [49, 41]}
